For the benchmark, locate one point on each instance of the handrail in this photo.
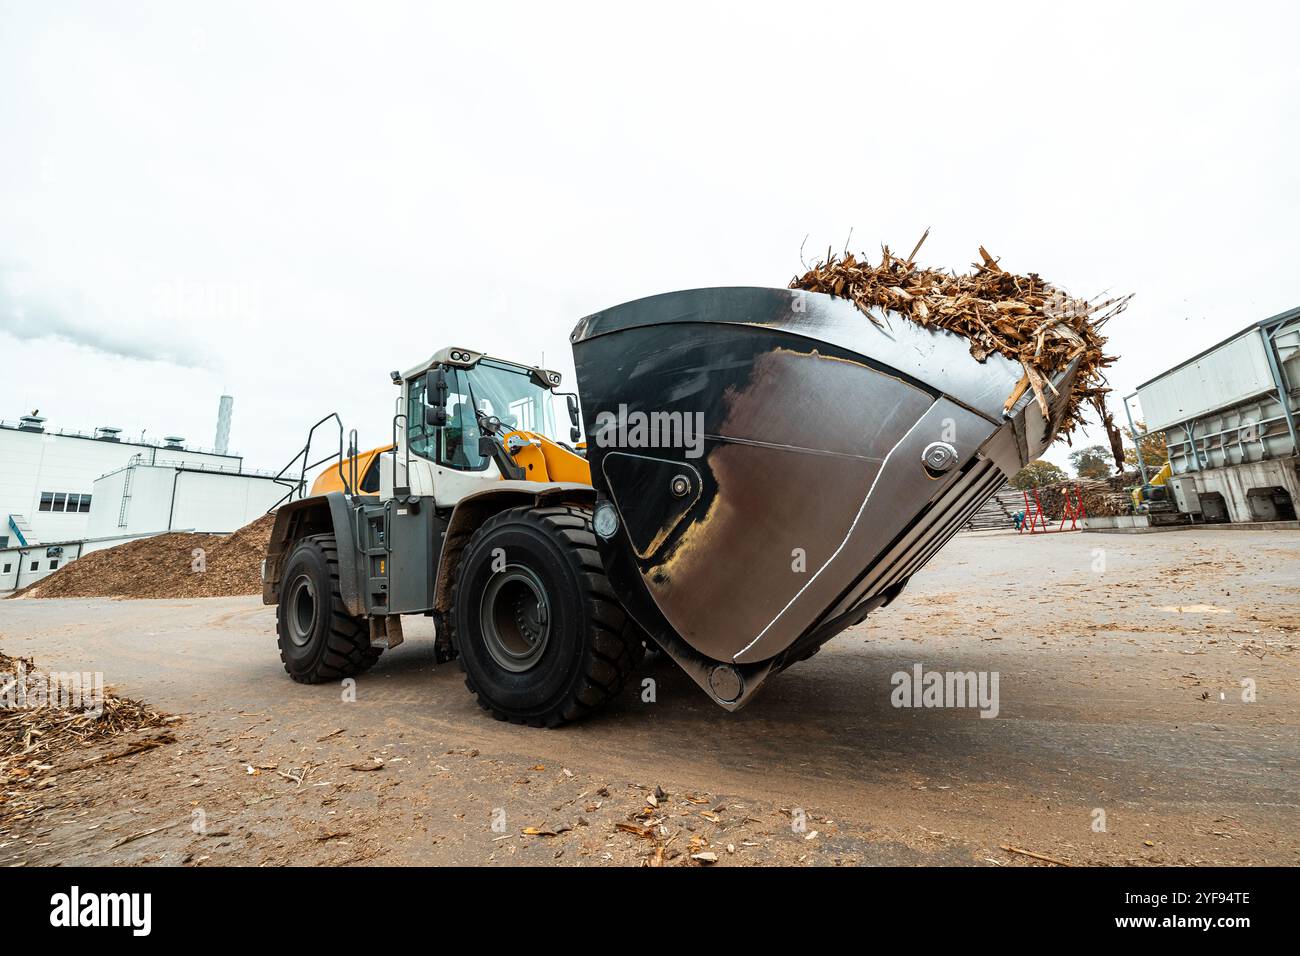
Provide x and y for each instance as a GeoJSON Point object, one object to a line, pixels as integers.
{"type": "Point", "coordinates": [406, 425]}
{"type": "Point", "coordinates": [353, 450]}
{"type": "Point", "coordinates": [191, 466]}
{"type": "Point", "coordinates": [139, 441]}
{"type": "Point", "coordinates": [307, 464]}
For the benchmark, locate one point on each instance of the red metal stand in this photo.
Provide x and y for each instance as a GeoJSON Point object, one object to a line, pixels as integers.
{"type": "Point", "coordinates": [1036, 520]}
{"type": "Point", "coordinates": [1073, 509]}
{"type": "Point", "coordinates": [1033, 516]}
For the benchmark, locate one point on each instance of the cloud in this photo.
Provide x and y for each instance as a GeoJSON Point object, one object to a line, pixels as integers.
{"type": "Point", "coordinates": [29, 313]}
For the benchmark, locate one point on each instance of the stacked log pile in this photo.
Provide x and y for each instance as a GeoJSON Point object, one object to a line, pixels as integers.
{"type": "Point", "coordinates": [1101, 498]}
{"type": "Point", "coordinates": [997, 514]}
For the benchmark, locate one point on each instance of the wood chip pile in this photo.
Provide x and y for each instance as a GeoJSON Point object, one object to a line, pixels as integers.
{"type": "Point", "coordinates": [1022, 317]}
{"type": "Point", "coordinates": [165, 566]}
{"type": "Point", "coordinates": [31, 736]}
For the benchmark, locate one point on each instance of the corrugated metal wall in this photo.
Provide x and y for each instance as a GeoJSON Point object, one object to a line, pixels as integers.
{"type": "Point", "coordinates": [1230, 374]}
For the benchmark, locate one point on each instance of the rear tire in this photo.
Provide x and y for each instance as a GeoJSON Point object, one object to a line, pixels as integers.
{"type": "Point", "coordinates": [319, 640]}
{"type": "Point", "coordinates": [539, 633]}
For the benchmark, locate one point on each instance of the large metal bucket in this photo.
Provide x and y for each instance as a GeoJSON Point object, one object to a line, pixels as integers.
{"type": "Point", "coordinates": [779, 466]}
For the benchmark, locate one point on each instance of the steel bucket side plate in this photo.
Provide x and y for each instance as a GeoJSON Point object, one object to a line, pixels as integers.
{"type": "Point", "coordinates": [763, 448]}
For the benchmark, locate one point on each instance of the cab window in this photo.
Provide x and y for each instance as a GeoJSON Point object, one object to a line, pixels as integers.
{"type": "Point", "coordinates": [455, 445]}
{"type": "Point", "coordinates": [418, 434]}
{"type": "Point", "coordinates": [370, 482]}
{"type": "Point", "coordinates": [458, 441]}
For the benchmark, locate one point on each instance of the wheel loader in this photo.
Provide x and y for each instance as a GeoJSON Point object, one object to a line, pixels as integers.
{"type": "Point", "coordinates": [764, 468]}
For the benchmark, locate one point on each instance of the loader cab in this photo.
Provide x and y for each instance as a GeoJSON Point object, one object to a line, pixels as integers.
{"type": "Point", "coordinates": [438, 452]}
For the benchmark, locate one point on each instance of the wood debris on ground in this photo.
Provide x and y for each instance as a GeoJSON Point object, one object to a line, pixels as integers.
{"type": "Point", "coordinates": [1021, 317]}
{"type": "Point", "coordinates": [1032, 855]}
{"type": "Point", "coordinates": [33, 731]}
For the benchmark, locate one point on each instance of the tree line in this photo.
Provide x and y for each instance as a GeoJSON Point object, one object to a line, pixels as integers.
{"type": "Point", "coordinates": [1096, 461]}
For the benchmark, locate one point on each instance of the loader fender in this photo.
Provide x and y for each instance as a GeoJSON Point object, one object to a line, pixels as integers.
{"type": "Point", "coordinates": [320, 514]}
{"type": "Point", "coordinates": [472, 510]}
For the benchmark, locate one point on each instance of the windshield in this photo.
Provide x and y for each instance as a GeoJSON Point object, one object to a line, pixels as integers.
{"type": "Point", "coordinates": [494, 388]}
{"type": "Point", "coordinates": [509, 393]}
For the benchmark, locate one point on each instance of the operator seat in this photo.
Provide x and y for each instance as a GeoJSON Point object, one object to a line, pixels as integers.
{"type": "Point", "coordinates": [461, 417]}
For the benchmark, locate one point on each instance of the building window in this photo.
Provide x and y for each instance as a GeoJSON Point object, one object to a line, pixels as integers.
{"type": "Point", "coordinates": [36, 565]}
{"type": "Point", "coordinates": [64, 501]}
{"type": "Point", "coordinates": [53, 565]}
{"type": "Point", "coordinates": [4, 541]}
{"type": "Point", "coordinates": [8, 568]}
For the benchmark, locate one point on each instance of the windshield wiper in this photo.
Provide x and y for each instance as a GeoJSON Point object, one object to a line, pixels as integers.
{"type": "Point", "coordinates": [490, 428]}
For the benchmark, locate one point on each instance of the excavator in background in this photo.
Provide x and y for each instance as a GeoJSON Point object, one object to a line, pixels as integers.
{"type": "Point", "coordinates": [765, 467]}
{"type": "Point", "coordinates": [1154, 496]}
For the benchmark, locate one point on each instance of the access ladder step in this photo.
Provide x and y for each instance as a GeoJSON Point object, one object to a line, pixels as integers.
{"type": "Point", "coordinates": [386, 630]}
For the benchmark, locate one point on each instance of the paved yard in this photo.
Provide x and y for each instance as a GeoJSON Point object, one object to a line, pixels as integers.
{"type": "Point", "coordinates": [1121, 735]}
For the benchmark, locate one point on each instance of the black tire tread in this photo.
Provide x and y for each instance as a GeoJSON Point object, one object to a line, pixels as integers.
{"type": "Point", "coordinates": [615, 640]}
{"type": "Point", "coordinates": [347, 651]}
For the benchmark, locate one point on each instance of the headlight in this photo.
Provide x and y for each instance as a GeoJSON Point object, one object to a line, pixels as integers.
{"type": "Point", "coordinates": [605, 520]}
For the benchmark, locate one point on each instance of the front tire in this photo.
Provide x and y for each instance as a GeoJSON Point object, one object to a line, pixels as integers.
{"type": "Point", "coordinates": [319, 640]}
{"type": "Point", "coordinates": [540, 635]}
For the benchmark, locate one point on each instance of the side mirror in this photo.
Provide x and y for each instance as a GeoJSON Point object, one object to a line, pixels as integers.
{"type": "Point", "coordinates": [439, 383]}
{"type": "Point", "coordinates": [574, 434]}
{"type": "Point", "coordinates": [571, 400]}
{"type": "Point", "coordinates": [435, 413]}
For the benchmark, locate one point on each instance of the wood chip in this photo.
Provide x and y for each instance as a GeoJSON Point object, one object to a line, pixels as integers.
{"type": "Point", "coordinates": [1021, 317]}
{"type": "Point", "coordinates": [1031, 854]}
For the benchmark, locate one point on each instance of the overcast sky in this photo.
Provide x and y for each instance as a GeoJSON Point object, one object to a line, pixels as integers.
{"type": "Point", "coordinates": [284, 201]}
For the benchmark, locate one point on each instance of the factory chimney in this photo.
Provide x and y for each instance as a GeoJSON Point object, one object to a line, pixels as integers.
{"type": "Point", "coordinates": [224, 410]}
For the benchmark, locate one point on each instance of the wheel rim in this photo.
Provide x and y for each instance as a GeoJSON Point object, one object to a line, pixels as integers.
{"type": "Point", "coordinates": [515, 617]}
{"type": "Point", "coordinates": [302, 610]}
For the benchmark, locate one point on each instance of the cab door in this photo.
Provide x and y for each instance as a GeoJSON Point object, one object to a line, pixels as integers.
{"type": "Point", "coordinates": [444, 459]}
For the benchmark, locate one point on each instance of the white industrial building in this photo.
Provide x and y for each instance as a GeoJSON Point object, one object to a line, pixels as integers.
{"type": "Point", "coordinates": [145, 498]}
{"type": "Point", "coordinates": [47, 477]}
{"type": "Point", "coordinates": [66, 493]}
{"type": "Point", "coordinates": [1230, 420]}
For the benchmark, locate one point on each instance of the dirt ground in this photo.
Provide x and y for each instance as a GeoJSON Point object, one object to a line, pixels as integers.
{"type": "Point", "coordinates": [1121, 736]}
